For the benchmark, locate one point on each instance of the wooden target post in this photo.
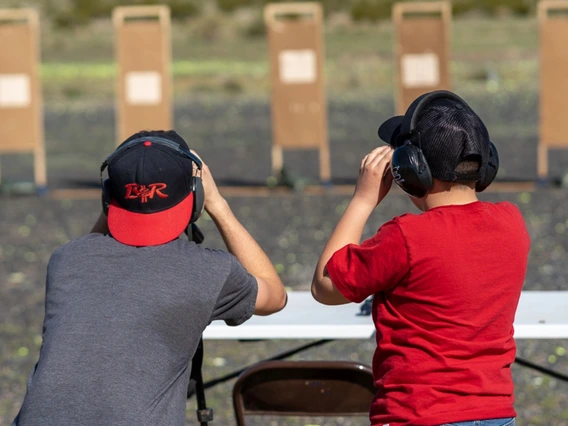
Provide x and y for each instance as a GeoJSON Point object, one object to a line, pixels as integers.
{"type": "Point", "coordinates": [553, 23]}
{"type": "Point", "coordinates": [299, 110]}
{"type": "Point", "coordinates": [21, 115]}
{"type": "Point", "coordinates": [422, 49]}
{"type": "Point", "coordinates": [144, 83]}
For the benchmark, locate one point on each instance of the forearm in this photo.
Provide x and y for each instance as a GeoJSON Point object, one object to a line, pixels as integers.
{"type": "Point", "coordinates": [349, 230]}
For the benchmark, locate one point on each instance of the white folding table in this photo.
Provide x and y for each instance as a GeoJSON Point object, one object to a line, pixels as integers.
{"type": "Point", "coordinates": [540, 315]}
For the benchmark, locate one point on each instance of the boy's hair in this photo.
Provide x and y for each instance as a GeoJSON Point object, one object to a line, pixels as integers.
{"type": "Point", "coordinates": [468, 167]}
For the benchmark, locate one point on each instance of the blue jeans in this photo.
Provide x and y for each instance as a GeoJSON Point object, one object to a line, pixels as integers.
{"type": "Point", "coordinates": [492, 422]}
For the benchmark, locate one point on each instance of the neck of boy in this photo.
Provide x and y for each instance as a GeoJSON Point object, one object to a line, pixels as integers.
{"type": "Point", "coordinates": [449, 193]}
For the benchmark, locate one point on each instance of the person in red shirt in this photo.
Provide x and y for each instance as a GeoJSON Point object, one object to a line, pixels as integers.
{"type": "Point", "coordinates": [445, 282]}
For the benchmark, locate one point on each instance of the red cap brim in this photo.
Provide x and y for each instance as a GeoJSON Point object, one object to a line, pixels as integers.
{"type": "Point", "coordinates": [149, 229]}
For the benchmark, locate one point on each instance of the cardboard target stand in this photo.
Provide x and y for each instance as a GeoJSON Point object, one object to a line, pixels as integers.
{"type": "Point", "coordinates": [299, 109]}
{"type": "Point", "coordinates": [21, 115]}
{"type": "Point", "coordinates": [553, 23]}
{"type": "Point", "coordinates": [422, 49]}
{"type": "Point", "coordinates": [143, 55]}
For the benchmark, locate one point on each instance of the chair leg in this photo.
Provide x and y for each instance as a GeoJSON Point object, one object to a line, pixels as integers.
{"type": "Point", "coordinates": [239, 410]}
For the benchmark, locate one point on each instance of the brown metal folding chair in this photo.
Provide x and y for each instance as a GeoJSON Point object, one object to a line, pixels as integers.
{"type": "Point", "coordinates": [304, 388]}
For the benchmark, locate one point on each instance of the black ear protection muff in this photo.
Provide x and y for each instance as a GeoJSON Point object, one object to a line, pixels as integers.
{"type": "Point", "coordinates": [409, 167]}
{"type": "Point", "coordinates": [491, 169]}
{"type": "Point", "coordinates": [196, 182]}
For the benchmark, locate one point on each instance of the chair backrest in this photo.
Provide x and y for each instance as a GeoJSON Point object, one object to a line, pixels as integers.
{"type": "Point", "coordinates": [304, 388]}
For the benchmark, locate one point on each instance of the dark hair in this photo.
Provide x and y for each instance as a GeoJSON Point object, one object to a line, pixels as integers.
{"type": "Point", "coordinates": [468, 167]}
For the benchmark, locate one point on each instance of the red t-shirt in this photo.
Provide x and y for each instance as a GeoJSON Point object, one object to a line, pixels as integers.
{"type": "Point", "coordinates": [446, 283]}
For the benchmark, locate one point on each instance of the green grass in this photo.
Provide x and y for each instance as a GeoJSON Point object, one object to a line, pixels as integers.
{"type": "Point", "coordinates": [358, 58]}
{"type": "Point", "coordinates": [77, 70]}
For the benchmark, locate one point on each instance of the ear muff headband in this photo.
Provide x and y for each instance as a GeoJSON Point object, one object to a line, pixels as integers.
{"type": "Point", "coordinates": [196, 183]}
{"type": "Point", "coordinates": [157, 140]}
{"type": "Point", "coordinates": [409, 167]}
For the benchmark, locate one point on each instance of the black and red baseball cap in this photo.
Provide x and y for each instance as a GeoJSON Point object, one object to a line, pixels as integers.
{"type": "Point", "coordinates": [151, 188]}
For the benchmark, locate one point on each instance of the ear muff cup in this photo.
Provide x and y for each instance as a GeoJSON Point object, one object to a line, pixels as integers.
{"type": "Point", "coordinates": [410, 170]}
{"type": "Point", "coordinates": [198, 199]}
{"type": "Point", "coordinates": [106, 196]}
{"type": "Point", "coordinates": [491, 169]}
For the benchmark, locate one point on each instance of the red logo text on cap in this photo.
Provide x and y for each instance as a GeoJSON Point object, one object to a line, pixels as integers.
{"type": "Point", "coordinates": [134, 190]}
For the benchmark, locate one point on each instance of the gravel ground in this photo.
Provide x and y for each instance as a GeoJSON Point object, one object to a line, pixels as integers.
{"type": "Point", "coordinates": [233, 136]}
{"type": "Point", "coordinates": [33, 227]}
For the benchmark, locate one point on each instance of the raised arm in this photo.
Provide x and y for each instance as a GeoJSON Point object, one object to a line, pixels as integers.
{"type": "Point", "coordinates": [272, 295]}
{"type": "Point", "coordinates": [372, 186]}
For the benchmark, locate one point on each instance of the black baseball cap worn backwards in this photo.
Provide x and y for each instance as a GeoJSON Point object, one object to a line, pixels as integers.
{"type": "Point", "coordinates": [150, 189]}
{"type": "Point", "coordinates": [445, 131]}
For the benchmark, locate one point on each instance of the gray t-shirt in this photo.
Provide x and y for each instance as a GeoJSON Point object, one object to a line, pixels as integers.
{"type": "Point", "coordinates": [121, 326]}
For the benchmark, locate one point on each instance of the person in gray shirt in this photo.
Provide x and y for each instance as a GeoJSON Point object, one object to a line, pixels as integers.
{"type": "Point", "coordinates": [126, 305]}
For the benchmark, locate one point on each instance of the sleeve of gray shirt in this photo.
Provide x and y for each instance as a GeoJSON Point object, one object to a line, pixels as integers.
{"type": "Point", "coordinates": [237, 299]}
